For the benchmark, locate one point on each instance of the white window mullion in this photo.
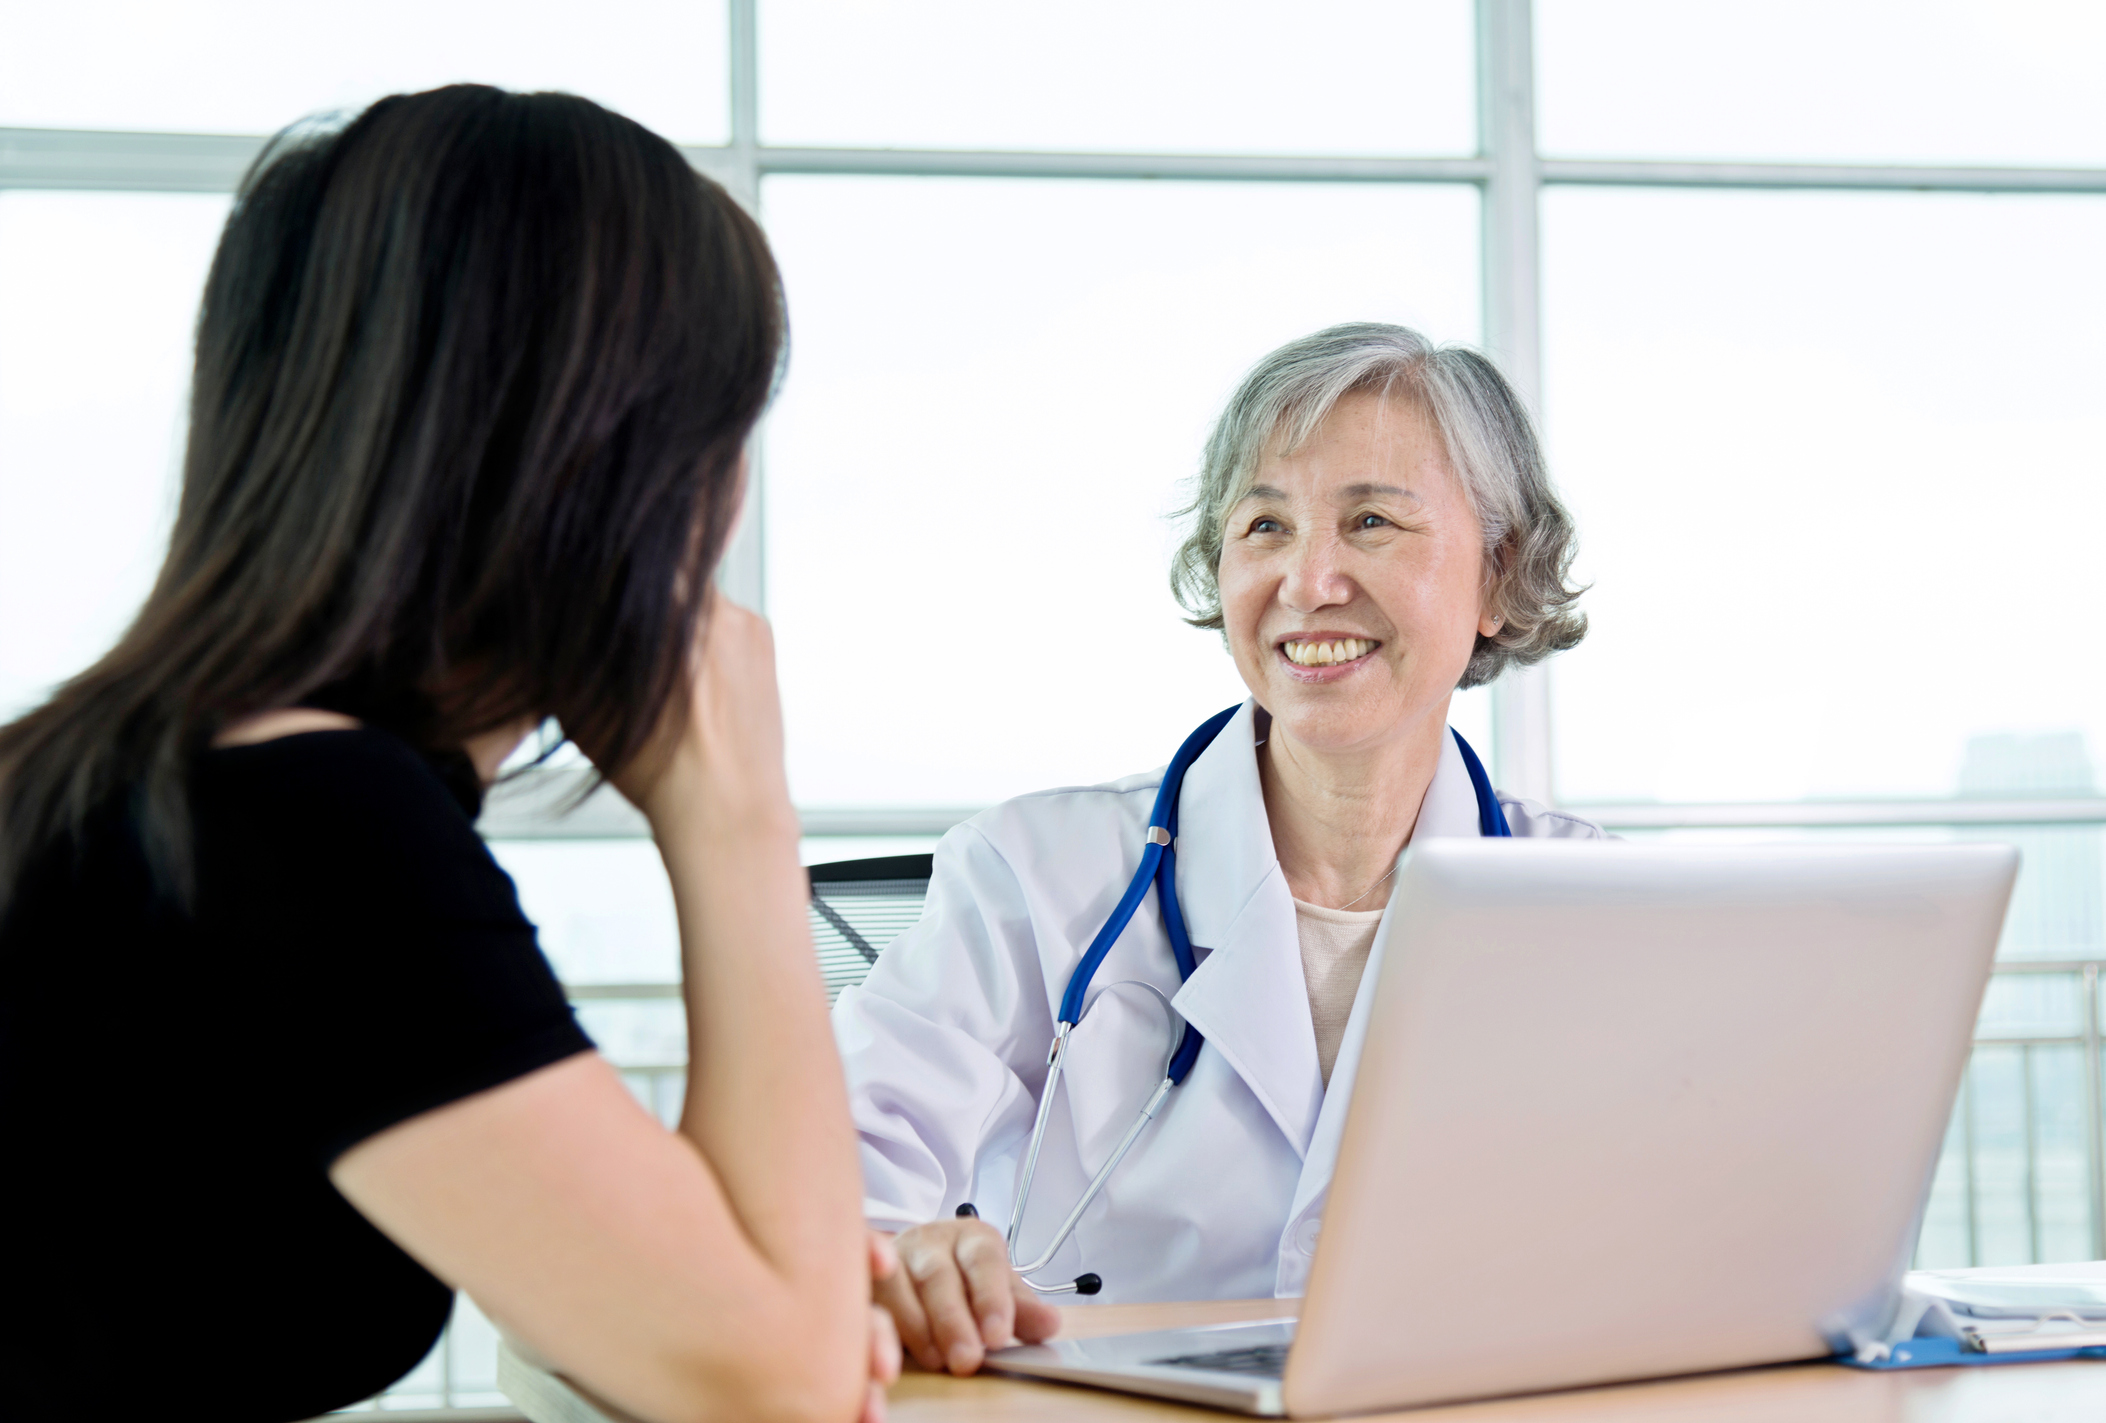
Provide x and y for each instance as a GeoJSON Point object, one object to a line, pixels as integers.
{"type": "Point", "coordinates": [1513, 327]}
{"type": "Point", "coordinates": [742, 573]}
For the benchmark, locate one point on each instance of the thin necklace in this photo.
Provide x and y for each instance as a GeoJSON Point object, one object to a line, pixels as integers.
{"type": "Point", "coordinates": [1369, 890]}
{"type": "Point", "coordinates": [1363, 893]}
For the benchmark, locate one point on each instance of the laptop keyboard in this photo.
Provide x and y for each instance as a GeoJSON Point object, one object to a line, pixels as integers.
{"type": "Point", "coordinates": [1263, 1360]}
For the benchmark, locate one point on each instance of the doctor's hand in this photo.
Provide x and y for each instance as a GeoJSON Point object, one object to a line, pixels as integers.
{"type": "Point", "coordinates": [954, 1296]}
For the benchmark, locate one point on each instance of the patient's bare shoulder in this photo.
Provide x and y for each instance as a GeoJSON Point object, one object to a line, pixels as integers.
{"type": "Point", "coordinates": [287, 721]}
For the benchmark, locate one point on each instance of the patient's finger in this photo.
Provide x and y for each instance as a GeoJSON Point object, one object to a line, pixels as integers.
{"type": "Point", "coordinates": [930, 1261]}
{"type": "Point", "coordinates": [884, 1352]}
{"type": "Point", "coordinates": [985, 1260]}
{"type": "Point", "coordinates": [884, 1260]}
{"type": "Point", "coordinates": [903, 1302]}
{"type": "Point", "coordinates": [884, 1346]}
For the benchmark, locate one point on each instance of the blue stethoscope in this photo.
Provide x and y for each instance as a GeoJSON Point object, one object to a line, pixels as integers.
{"type": "Point", "coordinates": [1159, 865]}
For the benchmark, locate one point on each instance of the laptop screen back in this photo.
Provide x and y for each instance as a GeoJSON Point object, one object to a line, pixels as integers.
{"type": "Point", "coordinates": [1632, 1110]}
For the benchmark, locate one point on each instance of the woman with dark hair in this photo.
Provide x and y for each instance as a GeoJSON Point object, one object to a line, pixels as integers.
{"type": "Point", "coordinates": [281, 1065]}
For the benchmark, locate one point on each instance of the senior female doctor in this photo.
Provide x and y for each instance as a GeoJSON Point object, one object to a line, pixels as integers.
{"type": "Point", "coordinates": [1373, 528]}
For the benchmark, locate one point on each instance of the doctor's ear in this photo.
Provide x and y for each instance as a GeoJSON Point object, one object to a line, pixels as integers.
{"type": "Point", "coordinates": [1489, 618]}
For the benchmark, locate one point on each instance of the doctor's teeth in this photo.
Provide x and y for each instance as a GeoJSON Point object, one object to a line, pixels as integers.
{"type": "Point", "coordinates": [1324, 654]}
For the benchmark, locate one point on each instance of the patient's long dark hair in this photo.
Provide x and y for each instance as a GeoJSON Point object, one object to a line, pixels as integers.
{"type": "Point", "coordinates": [474, 373]}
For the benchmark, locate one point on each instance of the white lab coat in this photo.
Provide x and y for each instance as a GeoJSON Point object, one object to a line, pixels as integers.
{"type": "Point", "coordinates": [945, 1042]}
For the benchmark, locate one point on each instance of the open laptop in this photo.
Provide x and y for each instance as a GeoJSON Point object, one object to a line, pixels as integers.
{"type": "Point", "coordinates": [1623, 1111]}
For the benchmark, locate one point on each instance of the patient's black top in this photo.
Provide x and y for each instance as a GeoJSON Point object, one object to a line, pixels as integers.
{"type": "Point", "coordinates": [174, 1087]}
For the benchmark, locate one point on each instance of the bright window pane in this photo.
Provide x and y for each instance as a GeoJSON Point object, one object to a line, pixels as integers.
{"type": "Point", "coordinates": [2039, 1005]}
{"type": "Point", "coordinates": [1839, 464]}
{"type": "Point", "coordinates": [1872, 81]}
{"type": "Point", "coordinates": [253, 66]}
{"type": "Point", "coordinates": [1164, 76]}
{"type": "Point", "coordinates": [603, 908]}
{"type": "Point", "coordinates": [98, 297]}
{"type": "Point", "coordinates": [995, 390]}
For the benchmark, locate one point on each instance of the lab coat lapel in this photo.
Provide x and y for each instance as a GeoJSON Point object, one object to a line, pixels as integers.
{"type": "Point", "coordinates": [1449, 811]}
{"type": "Point", "coordinates": [1450, 808]}
{"type": "Point", "coordinates": [1248, 995]}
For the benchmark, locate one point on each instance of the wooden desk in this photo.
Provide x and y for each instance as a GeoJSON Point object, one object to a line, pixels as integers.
{"type": "Point", "coordinates": [1791, 1393]}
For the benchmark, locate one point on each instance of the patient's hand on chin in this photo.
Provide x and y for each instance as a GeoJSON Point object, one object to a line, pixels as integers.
{"type": "Point", "coordinates": [954, 1296]}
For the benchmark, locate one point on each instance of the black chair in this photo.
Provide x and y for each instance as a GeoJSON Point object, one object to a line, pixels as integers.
{"type": "Point", "coordinates": [858, 907]}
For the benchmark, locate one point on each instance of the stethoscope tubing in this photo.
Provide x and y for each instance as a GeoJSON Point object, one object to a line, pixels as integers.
{"type": "Point", "coordinates": [1159, 845]}
{"type": "Point", "coordinates": [1158, 867]}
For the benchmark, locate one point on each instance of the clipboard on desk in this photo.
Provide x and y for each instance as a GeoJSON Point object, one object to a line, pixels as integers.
{"type": "Point", "coordinates": [2025, 1347]}
{"type": "Point", "coordinates": [2010, 1315]}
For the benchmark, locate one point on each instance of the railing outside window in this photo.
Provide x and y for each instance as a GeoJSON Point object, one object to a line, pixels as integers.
{"type": "Point", "coordinates": [2021, 1178]}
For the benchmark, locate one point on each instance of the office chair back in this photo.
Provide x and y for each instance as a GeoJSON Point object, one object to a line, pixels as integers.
{"type": "Point", "coordinates": [858, 907]}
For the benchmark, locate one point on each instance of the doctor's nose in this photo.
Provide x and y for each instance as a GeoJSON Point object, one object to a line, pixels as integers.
{"type": "Point", "coordinates": [1314, 578]}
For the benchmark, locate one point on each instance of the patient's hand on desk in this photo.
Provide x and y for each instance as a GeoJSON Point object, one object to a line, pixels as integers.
{"type": "Point", "coordinates": [954, 1296]}
{"type": "Point", "coordinates": [884, 1338]}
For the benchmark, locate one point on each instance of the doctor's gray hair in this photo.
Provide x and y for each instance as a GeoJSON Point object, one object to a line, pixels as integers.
{"type": "Point", "coordinates": [1529, 539]}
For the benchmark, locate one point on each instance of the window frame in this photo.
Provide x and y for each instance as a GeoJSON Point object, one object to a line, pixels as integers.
{"type": "Point", "coordinates": [1508, 170]}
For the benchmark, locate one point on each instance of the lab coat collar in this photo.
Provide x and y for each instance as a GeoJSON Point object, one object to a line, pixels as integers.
{"type": "Point", "coordinates": [1224, 840]}
{"type": "Point", "coordinates": [1248, 996]}
{"type": "Point", "coordinates": [1450, 808]}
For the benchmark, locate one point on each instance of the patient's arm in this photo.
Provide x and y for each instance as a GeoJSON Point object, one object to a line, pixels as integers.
{"type": "Point", "coordinates": [606, 1242]}
{"type": "Point", "coordinates": [720, 1271]}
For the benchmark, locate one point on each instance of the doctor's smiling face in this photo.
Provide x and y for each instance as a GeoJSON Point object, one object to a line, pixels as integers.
{"type": "Point", "coordinates": [1352, 580]}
